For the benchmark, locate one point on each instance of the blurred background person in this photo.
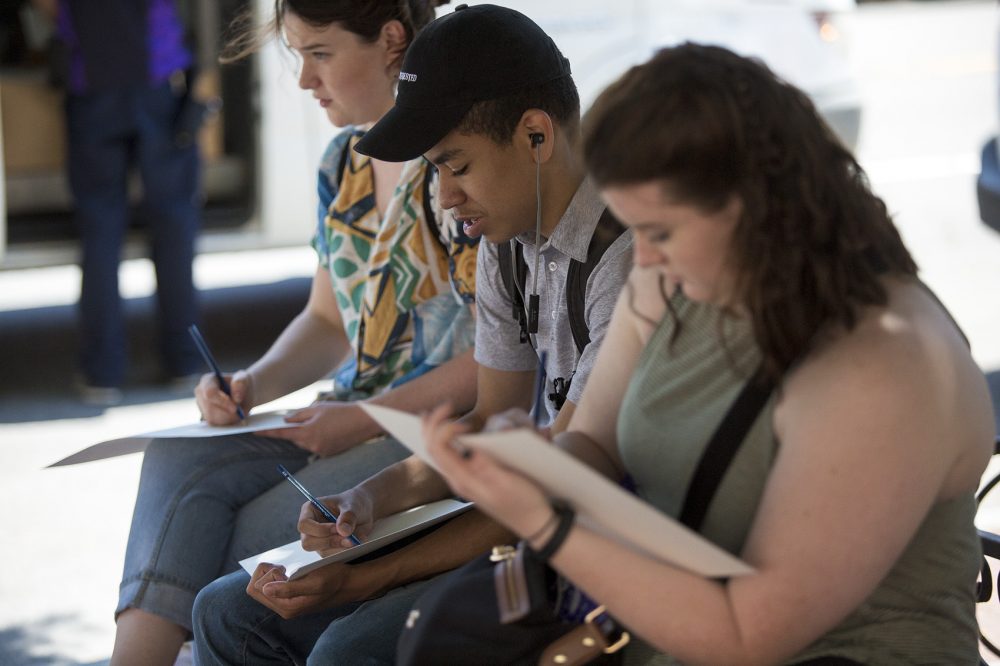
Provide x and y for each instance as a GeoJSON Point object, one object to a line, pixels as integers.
{"type": "Point", "coordinates": [126, 70]}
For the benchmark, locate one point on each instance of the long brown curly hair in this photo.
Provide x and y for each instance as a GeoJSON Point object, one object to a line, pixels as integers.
{"type": "Point", "coordinates": [813, 241]}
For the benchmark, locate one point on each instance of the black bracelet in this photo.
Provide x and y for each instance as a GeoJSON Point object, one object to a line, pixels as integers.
{"type": "Point", "coordinates": [567, 516]}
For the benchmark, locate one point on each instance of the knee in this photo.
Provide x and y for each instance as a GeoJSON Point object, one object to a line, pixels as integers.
{"type": "Point", "coordinates": [164, 455]}
{"type": "Point", "coordinates": [366, 635]}
{"type": "Point", "coordinates": [224, 603]}
{"type": "Point", "coordinates": [210, 605]}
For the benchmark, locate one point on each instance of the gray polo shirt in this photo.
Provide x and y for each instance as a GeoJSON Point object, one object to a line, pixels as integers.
{"type": "Point", "coordinates": [498, 334]}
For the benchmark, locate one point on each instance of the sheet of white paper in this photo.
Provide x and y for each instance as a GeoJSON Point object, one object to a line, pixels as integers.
{"type": "Point", "coordinates": [402, 426]}
{"type": "Point", "coordinates": [299, 562]}
{"type": "Point", "coordinates": [599, 503]}
{"type": "Point", "coordinates": [137, 443]}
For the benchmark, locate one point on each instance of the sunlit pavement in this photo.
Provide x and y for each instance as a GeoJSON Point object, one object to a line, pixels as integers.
{"type": "Point", "coordinates": [929, 84]}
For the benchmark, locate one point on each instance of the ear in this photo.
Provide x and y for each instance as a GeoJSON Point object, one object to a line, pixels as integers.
{"type": "Point", "coordinates": [536, 121]}
{"type": "Point", "coordinates": [394, 41]}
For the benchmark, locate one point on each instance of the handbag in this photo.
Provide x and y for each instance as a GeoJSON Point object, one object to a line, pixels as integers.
{"type": "Point", "coordinates": [499, 608]}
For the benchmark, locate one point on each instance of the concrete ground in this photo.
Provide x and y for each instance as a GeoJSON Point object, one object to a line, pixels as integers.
{"type": "Point", "coordinates": [928, 77]}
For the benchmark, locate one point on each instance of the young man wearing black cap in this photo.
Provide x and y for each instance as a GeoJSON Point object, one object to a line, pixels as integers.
{"type": "Point", "coordinates": [486, 96]}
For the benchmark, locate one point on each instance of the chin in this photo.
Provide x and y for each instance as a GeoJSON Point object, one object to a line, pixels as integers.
{"type": "Point", "coordinates": [336, 119]}
{"type": "Point", "coordinates": [695, 294]}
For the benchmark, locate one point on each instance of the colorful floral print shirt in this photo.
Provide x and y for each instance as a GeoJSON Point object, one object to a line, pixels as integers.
{"type": "Point", "coordinates": [404, 287]}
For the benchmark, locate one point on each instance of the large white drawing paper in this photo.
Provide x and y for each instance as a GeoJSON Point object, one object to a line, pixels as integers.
{"type": "Point", "coordinates": [600, 504]}
{"type": "Point", "coordinates": [299, 562]}
{"type": "Point", "coordinates": [137, 443]}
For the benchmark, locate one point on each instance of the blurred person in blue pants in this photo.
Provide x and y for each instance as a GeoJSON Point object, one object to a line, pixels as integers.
{"type": "Point", "coordinates": [126, 72]}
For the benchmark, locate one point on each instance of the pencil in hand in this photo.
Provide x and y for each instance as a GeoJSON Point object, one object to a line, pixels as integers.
{"type": "Point", "coordinates": [206, 354]}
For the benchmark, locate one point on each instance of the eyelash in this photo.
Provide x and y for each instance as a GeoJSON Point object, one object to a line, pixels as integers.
{"type": "Point", "coordinates": [460, 172]}
{"type": "Point", "coordinates": [659, 237]}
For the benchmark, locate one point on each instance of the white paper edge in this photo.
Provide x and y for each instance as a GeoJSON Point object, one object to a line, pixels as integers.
{"type": "Point", "coordinates": [122, 446]}
{"type": "Point", "coordinates": [298, 562]}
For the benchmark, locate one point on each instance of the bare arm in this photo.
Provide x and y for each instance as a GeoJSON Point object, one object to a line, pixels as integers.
{"type": "Point", "coordinates": [591, 431]}
{"type": "Point", "coordinates": [308, 349]}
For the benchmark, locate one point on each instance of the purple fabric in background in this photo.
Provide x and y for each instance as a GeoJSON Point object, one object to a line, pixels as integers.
{"type": "Point", "coordinates": [165, 45]}
{"type": "Point", "coordinates": [167, 52]}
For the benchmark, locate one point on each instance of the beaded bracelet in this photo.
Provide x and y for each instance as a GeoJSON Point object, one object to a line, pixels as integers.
{"type": "Point", "coordinates": [567, 516]}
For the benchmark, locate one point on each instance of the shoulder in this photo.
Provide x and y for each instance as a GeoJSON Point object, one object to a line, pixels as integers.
{"type": "Point", "coordinates": [910, 336]}
{"type": "Point", "coordinates": [612, 270]}
{"type": "Point", "coordinates": [903, 375]}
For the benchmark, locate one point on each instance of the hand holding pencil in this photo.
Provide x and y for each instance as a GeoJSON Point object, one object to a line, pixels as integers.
{"type": "Point", "coordinates": [219, 396]}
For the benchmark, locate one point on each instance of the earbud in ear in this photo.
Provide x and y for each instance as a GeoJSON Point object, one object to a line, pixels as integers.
{"type": "Point", "coordinates": [536, 138]}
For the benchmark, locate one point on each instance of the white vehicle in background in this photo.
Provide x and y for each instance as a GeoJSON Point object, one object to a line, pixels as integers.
{"type": "Point", "coordinates": [262, 151]}
{"type": "Point", "coordinates": [803, 41]}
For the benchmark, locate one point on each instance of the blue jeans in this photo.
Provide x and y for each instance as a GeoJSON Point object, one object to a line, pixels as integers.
{"type": "Point", "coordinates": [205, 504]}
{"type": "Point", "coordinates": [109, 132]}
{"type": "Point", "coordinates": [231, 628]}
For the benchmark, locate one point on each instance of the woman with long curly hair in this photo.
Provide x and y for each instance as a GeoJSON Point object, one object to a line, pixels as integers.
{"type": "Point", "coordinates": [762, 256]}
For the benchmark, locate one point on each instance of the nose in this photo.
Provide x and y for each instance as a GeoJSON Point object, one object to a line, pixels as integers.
{"type": "Point", "coordinates": [645, 253]}
{"type": "Point", "coordinates": [449, 193]}
{"type": "Point", "coordinates": [307, 80]}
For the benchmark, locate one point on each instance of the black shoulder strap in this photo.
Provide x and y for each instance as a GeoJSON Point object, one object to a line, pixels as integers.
{"type": "Point", "coordinates": [507, 269]}
{"type": "Point", "coordinates": [722, 448]}
{"type": "Point", "coordinates": [607, 232]}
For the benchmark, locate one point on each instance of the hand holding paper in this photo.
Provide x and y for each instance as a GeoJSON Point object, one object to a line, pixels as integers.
{"type": "Point", "coordinates": [327, 427]}
{"type": "Point", "coordinates": [600, 504]}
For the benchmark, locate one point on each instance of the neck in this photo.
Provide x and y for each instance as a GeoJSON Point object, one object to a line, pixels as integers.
{"type": "Point", "coordinates": [561, 179]}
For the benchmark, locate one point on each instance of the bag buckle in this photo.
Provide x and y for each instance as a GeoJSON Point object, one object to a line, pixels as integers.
{"type": "Point", "coordinates": [622, 641]}
{"type": "Point", "coordinates": [501, 553]}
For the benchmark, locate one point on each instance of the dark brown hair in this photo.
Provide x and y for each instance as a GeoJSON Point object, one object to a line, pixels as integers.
{"type": "Point", "coordinates": [813, 241]}
{"type": "Point", "coordinates": [364, 18]}
{"type": "Point", "coordinates": [498, 118]}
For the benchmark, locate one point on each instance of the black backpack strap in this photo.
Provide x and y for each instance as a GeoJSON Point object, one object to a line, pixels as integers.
{"type": "Point", "coordinates": [432, 223]}
{"type": "Point", "coordinates": [514, 290]}
{"type": "Point", "coordinates": [722, 448]}
{"type": "Point", "coordinates": [607, 232]}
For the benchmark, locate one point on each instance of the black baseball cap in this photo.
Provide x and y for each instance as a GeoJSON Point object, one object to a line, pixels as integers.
{"type": "Point", "coordinates": [473, 54]}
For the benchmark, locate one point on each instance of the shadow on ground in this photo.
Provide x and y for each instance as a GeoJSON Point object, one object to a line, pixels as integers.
{"type": "Point", "coordinates": [38, 348]}
{"type": "Point", "coordinates": [21, 646]}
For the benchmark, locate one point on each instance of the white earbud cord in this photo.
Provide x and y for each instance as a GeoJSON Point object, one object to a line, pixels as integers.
{"type": "Point", "coordinates": [538, 215]}
{"type": "Point", "coordinates": [538, 239]}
